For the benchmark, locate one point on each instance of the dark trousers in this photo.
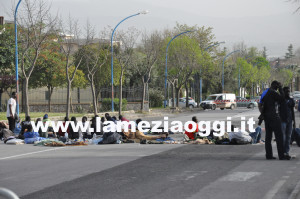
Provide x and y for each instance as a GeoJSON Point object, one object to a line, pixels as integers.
{"type": "Point", "coordinates": [273, 124]}
{"type": "Point", "coordinates": [11, 123]}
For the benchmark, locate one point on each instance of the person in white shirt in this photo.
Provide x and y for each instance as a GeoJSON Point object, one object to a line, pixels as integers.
{"type": "Point", "coordinates": [11, 111]}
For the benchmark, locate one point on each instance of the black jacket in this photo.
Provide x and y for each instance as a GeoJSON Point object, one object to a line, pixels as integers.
{"type": "Point", "coordinates": [286, 110]}
{"type": "Point", "coordinates": [271, 103]}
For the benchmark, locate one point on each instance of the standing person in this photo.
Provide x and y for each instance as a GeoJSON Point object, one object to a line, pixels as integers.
{"type": "Point", "coordinates": [260, 107]}
{"type": "Point", "coordinates": [11, 111]}
{"type": "Point", "coordinates": [270, 112]}
{"type": "Point", "coordinates": [287, 117]}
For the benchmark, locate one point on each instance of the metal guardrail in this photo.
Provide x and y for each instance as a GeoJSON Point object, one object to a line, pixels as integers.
{"type": "Point", "coordinates": [7, 194]}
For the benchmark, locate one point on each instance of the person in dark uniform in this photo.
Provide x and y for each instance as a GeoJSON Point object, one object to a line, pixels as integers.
{"type": "Point", "coordinates": [270, 112]}
{"type": "Point", "coordinates": [288, 122]}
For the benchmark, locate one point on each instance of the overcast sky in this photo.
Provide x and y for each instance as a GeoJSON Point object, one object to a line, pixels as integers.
{"type": "Point", "coordinates": [270, 23]}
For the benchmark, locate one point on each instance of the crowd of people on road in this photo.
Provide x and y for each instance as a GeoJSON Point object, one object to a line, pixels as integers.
{"type": "Point", "coordinates": [277, 110]}
{"type": "Point", "coordinates": [276, 107]}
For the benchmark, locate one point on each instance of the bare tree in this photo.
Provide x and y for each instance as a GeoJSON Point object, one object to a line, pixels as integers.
{"type": "Point", "coordinates": [68, 38]}
{"type": "Point", "coordinates": [36, 25]}
{"type": "Point", "coordinates": [124, 53]}
{"type": "Point", "coordinates": [146, 59]}
{"type": "Point", "coordinates": [95, 53]}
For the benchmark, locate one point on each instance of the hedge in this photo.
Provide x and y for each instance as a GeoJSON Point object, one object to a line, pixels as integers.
{"type": "Point", "coordinates": [106, 104]}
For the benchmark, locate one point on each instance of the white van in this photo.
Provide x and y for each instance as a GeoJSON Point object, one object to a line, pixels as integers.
{"type": "Point", "coordinates": [222, 100]}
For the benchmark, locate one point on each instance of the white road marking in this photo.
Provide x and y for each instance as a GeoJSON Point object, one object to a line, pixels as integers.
{"type": "Point", "coordinates": [274, 189]}
{"type": "Point", "coordinates": [186, 175]}
{"type": "Point", "coordinates": [295, 191]}
{"type": "Point", "coordinates": [285, 177]}
{"type": "Point", "coordinates": [24, 154]}
{"type": "Point", "coordinates": [240, 176]}
{"type": "Point", "coordinates": [292, 167]}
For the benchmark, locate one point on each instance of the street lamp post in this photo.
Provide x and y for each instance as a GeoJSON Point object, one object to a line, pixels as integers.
{"type": "Point", "coordinates": [16, 56]}
{"type": "Point", "coordinates": [200, 93]}
{"type": "Point", "coordinates": [112, 57]}
{"type": "Point", "coordinates": [166, 70]}
{"type": "Point", "coordinates": [223, 68]}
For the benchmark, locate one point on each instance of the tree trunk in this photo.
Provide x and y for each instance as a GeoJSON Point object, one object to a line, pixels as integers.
{"type": "Point", "coordinates": [120, 94]}
{"type": "Point", "coordinates": [94, 95]}
{"type": "Point", "coordinates": [173, 96]}
{"type": "Point", "coordinates": [177, 97]}
{"type": "Point", "coordinates": [68, 98]}
{"type": "Point", "coordinates": [187, 95]}
{"type": "Point", "coordinates": [50, 91]}
{"type": "Point", "coordinates": [143, 96]}
{"type": "Point", "coordinates": [97, 96]}
{"type": "Point", "coordinates": [292, 84]}
{"type": "Point", "coordinates": [1, 91]}
{"type": "Point", "coordinates": [23, 91]}
{"type": "Point", "coordinates": [71, 102]}
{"type": "Point", "coordinates": [26, 96]}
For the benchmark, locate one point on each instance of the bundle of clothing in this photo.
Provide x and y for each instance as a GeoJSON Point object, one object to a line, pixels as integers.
{"type": "Point", "coordinates": [49, 142]}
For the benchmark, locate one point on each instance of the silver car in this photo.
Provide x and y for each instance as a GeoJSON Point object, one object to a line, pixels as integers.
{"type": "Point", "coordinates": [243, 102]}
{"type": "Point", "coordinates": [192, 103]}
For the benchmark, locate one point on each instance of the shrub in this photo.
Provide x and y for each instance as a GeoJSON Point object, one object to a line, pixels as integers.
{"type": "Point", "coordinates": [156, 98]}
{"type": "Point", "coordinates": [106, 104]}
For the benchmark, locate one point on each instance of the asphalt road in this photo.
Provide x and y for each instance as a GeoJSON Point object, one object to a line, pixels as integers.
{"type": "Point", "coordinates": [151, 171]}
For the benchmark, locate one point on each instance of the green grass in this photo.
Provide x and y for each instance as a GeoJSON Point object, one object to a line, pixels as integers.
{"type": "Point", "coordinates": [34, 115]}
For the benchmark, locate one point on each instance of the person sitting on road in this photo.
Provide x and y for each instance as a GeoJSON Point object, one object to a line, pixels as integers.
{"type": "Point", "coordinates": [5, 133]}
{"type": "Point", "coordinates": [42, 134]}
{"type": "Point", "coordinates": [74, 134]}
{"type": "Point", "coordinates": [86, 134]}
{"type": "Point", "coordinates": [102, 125]}
{"type": "Point", "coordinates": [114, 118]}
{"type": "Point", "coordinates": [192, 135]}
{"type": "Point", "coordinates": [62, 134]}
{"type": "Point", "coordinates": [109, 118]}
{"type": "Point", "coordinates": [30, 136]}
{"type": "Point", "coordinates": [25, 124]}
{"type": "Point", "coordinates": [122, 119]}
{"type": "Point", "coordinates": [50, 132]}
{"type": "Point", "coordinates": [94, 126]}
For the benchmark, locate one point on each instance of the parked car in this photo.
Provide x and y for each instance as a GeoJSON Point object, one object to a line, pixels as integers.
{"type": "Point", "coordinates": [222, 101]}
{"type": "Point", "coordinates": [296, 93]}
{"type": "Point", "coordinates": [257, 98]}
{"type": "Point", "coordinates": [296, 100]}
{"type": "Point", "coordinates": [192, 103]}
{"type": "Point", "coordinates": [243, 102]}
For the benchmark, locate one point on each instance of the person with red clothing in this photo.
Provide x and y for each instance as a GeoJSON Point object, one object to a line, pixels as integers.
{"type": "Point", "coordinates": [123, 119]}
{"type": "Point", "coordinates": [62, 134]}
{"type": "Point", "coordinates": [191, 135]}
